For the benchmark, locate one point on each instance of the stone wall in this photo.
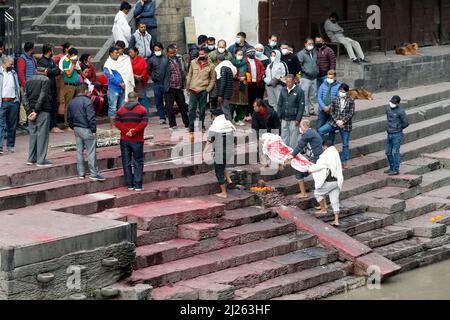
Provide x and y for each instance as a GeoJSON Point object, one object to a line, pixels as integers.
{"type": "Point", "coordinates": [393, 72]}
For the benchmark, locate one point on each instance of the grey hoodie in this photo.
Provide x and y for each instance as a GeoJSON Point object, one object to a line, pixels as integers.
{"type": "Point", "coordinates": [130, 105]}
{"type": "Point", "coordinates": [276, 69]}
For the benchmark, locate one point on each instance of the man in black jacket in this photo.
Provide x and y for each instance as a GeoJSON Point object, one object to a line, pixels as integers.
{"type": "Point", "coordinates": [52, 71]}
{"type": "Point", "coordinates": [397, 121]}
{"type": "Point", "coordinates": [224, 86]}
{"type": "Point", "coordinates": [81, 118]}
{"type": "Point", "coordinates": [291, 106]}
{"type": "Point", "coordinates": [290, 59]}
{"type": "Point", "coordinates": [157, 68]}
{"type": "Point", "coordinates": [37, 104]}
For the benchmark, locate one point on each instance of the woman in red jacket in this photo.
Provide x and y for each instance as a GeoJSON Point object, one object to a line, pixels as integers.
{"type": "Point", "coordinates": [256, 86]}
{"type": "Point", "coordinates": [141, 76]}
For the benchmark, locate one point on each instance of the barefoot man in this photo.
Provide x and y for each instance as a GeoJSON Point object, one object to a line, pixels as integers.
{"type": "Point", "coordinates": [328, 178]}
{"type": "Point", "coordinates": [221, 138]}
{"type": "Point", "coordinates": [309, 145]}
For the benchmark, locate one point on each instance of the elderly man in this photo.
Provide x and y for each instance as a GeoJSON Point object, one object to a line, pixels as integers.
{"type": "Point", "coordinates": [9, 103]}
{"type": "Point", "coordinates": [38, 105]}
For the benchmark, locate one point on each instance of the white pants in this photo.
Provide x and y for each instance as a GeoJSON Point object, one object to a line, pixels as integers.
{"type": "Point", "coordinates": [332, 189]}
{"type": "Point", "coordinates": [290, 133]}
{"type": "Point", "coordinates": [309, 88]}
{"type": "Point", "coordinates": [351, 44]}
{"type": "Point", "coordinates": [273, 94]}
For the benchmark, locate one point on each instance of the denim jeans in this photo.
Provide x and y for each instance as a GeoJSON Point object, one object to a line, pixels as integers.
{"type": "Point", "coordinates": [322, 119]}
{"type": "Point", "coordinates": [320, 81]}
{"type": "Point", "coordinates": [38, 146]}
{"type": "Point", "coordinates": [9, 115]}
{"type": "Point", "coordinates": [116, 101]}
{"type": "Point", "coordinates": [345, 136]}
{"type": "Point", "coordinates": [133, 152]}
{"type": "Point", "coordinates": [393, 143]}
{"type": "Point", "coordinates": [85, 140]}
{"type": "Point", "coordinates": [197, 100]}
{"type": "Point", "coordinates": [145, 103]}
{"type": "Point", "coordinates": [158, 90]}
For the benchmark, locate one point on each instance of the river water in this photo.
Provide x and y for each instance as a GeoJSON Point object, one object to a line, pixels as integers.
{"type": "Point", "coordinates": [427, 283]}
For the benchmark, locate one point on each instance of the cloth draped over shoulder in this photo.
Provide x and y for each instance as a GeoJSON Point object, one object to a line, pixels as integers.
{"type": "Point", "coordinates": [228, 64]}
{"type": "Point", "coordinates": [329, 161]}
{"type": "Point", "coordinates": [124, 67]}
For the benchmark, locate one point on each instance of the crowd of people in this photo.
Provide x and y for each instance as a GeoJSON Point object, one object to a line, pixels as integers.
{"type": "Point", "coordinates": [270, 87]}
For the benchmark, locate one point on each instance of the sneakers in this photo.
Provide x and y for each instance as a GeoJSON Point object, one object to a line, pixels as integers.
{"type": "Point", "coordinates": [11, 150]}
{"type": "Point", "coordinates": [46, 163]}
{"type": "Point", "coordinates": [173, 128]}
{"type": "Point", "coordinates": [387, 171]}
{"type": "Point", "coordinates": [81, 177]}
{"type": "Point", "coordinates": [364, 60]}
{"type": "Point", "coordinates": [356, 61]}
{"type": "Point", "coordinates": [139, 189]}
{"type": "Point", "coordinates": [97, 177]}
{"type": "Point", "coordinates": [130, 188]}
{"type": "Point", "coordinates": [162, 121]}
{"type": "Point", "coordinates": [30, 163]}
{"type": "Point", "coordinates": [394, 173]}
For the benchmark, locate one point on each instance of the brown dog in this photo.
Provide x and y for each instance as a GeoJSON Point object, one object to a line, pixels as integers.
{"type": "Point", "coordinates": [361, 94]}
{"type": "Point", "coordinates": [408, 50]}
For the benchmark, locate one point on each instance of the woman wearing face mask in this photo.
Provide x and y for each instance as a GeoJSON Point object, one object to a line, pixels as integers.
{"type": "Point", "coordinates": [276, 73]}
{"type": "Point", "coordinates": [341, 114]}
{"type": "Point", "coordinates": [261, 56]}
{"type": "Point", "coordinates": [239, 101]}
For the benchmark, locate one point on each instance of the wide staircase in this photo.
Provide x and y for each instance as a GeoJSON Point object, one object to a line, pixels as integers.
{"type": "Point", "coordinates": [194, 245]}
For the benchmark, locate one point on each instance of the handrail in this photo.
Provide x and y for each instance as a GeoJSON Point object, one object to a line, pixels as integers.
{"type": "Point", "coordinates": [44, 15]}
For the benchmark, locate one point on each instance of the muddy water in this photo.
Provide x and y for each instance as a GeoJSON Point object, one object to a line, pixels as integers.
{"type": "Point", "coordinates": [427, 283]}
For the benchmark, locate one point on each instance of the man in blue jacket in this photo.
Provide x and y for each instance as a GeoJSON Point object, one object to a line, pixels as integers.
{"type": "Point", "coordinates": [144, 12]}
{"type": "Point", "coordinates": [116, 85]}
{"type": "Point", "coordinates": [328, 91]}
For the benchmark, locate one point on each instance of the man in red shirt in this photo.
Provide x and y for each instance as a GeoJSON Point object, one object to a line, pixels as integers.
{"type": "Point", "coordinates": [131, 120]}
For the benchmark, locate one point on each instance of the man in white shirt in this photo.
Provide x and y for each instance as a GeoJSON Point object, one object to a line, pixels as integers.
{"type": "Point", "coordinates": [121, 29]}
{"type": "Point", "coordinates": [9, 103]}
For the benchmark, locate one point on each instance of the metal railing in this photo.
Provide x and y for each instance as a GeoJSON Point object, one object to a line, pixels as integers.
{"type": "Point", "coordinates": [10, 27]}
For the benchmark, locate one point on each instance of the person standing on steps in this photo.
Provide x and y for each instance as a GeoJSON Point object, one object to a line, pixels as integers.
{"type": "Point", "coordinates": [141, 77]}
{"type": "Point", "coordinates": [38, 105]}
{"type": "Point", "coordinates": [328, 91]}
{"type": "Point", "coordinates": [341, 118]}
{"type": "Point", "coordinates": [145, 12]}
{"type": "Point", "coordinates": [81, 117]}
{"type": "Point", "coordinates": [142, 40]}
{"type": "Point", "coordinates": [116, 85]}
{"type": "Point", "coordinates": [275, 79]}
{"type": "Point", "coordinates": [397, 121]}
{"type": "Point", "coordinates": [256, 85]}
{"type": "Point", "coordinates": [70, 76]}
{"type": "Point", "coordinates": [131, 120]}
{"type": "Point", "coordinates": [291, 106]}
{"type": "Point", "coordinates": [200, 81]}
{"type": "Point", "coordinates": [309, 145]}
{"type": "Point", "coordinates": [220, 50]}
{"type": "Point", "coordinates": [328, 179]}
{"type": "Point", "coordinates": [157, 68]}
{"type": "Point", "coordinates": [225, 72]}
{"type": "Point", "coordinates": [10, 96]}
{"type": "Point", "coordinates": [121, 29]}
{"type": "Point", "coordinates": [310, 70]}
{"type": "Point", "coordinates": [221, 139]}
{"type": "Point", "coordinates": [326, 59]}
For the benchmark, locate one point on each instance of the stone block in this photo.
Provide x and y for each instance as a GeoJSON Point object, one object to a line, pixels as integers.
{"type": "Point", "coordinates": [404, 181]}
{"type": "Point", "coordinates": [198, 231]}
{"type": "Point", "coordinates": [373, 261]}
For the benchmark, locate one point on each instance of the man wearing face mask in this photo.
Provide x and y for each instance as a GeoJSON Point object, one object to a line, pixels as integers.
{"type": "Point", "coordinates": [210, 45]}
{"type": "Point", "coordinates": [326, 59]}
{"type": "Point", "coordinates": [241, 43]}
{"type": "Point", "coordinates": [310, 71]}
{"type": "Point", "coordinates": [290, 59]}
{"type": "Point", "coordinates": [221, 50]}
{"type": "Point", "coordinates": [328, 91]}
{"type": "Point", "coordinates": [201, 44]}
{"type": "Point", "coordinates": [309, 145]}
{"type": "Point", "coordinates": [157, 67]}
{"type": "Point", "coordinates": [200, 81]}
{"type": "Point", "coordinates": [341, 118]}
{"type": "Point", "coordinates": [397, 121]}
{"type": "Point", "coordinates": [273, 45]}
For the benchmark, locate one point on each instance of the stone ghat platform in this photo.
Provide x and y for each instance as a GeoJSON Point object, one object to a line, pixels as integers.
{"type": "Point", "coordinates": [191, 244]}
{"type": "Point", "coordinates": [394, 72]}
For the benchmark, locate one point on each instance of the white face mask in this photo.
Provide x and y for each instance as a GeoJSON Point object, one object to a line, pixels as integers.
{"type": "Point", "coordinates": [285, 52]}
{"type": "Point", "coordinates": [221, 50]}
{"type": "Point", "coordinates": [392, 105]}
{"type": "Point", "coordinates": [74, 58]}
{"type": "Point", "coordinates": [273, 43]}
{"type": "Point", "coordinates": [158, 53]}
{"type": "Point", "coordinates": [342, 94]}
{"type": "Point", "coordinates": [330, 81]}
{"type": "Point", "coordinates": [273, 59]}
{"type": "Point", "coordinates": [239, 57]}
{"type": "Point", "coordinates": [309, 48]}
{"type": "Point", "coordinates": [238, 40]}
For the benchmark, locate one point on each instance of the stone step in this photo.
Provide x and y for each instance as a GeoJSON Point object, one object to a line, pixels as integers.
{"type": "Point", "coordinates": [360, 223]}
{"type": "Point", "coordinates": [295, 282]}
{"type": "Point", "coordinates": [435, 180]}
{"type": "Point", "coordinates": [27, 22]}
{"type": "Point", "coordinates": [62, 30]}
{"type": "Point", "coordinates": [328, 289]}
{"type": "Point", "coordinates": [405, 248]}
{"type": "Point", "coordinates": [423, 226]}
{"type": "Point", "coordinates": [387, 206]}
{"type": "Point", "coordinates": [33, 10]}
{"type": "Point", "coordinates": [424, 258]}
{"type": "Point", "coordinates": [177, 249]}
{"type": "Point", "coordinates": [248, 275]}
{"type": "Point", "coordinates": [189, 268]}
{"type": "Point", "coordinates": [198, 231]}
{"type": "Point", "coordinates": [416, 207]}
{"type": "Point", "coordinates": [238, 217]}
{"type": "Point", "coordinates": [86, 19]}
{"type": "Point", "coordinates": [442, 193]}
{"type": "Point", "coordinates": [87, 8]}
{"type": "Point", "coordinates": [384, 236]}
{"type": "Point", "coordinates": [82, 40]}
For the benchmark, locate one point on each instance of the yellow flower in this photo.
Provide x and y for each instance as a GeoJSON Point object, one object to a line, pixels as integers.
{"type": "Point", "coordinates": [439, 217]}
{"type": "Point", "coordinates": [433, 219]}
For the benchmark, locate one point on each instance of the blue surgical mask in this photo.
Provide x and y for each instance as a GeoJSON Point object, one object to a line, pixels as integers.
{"type": "Point", "coordinates": [259, 54]}
{"type": "Point", "coordinates": [238, 40]}
{"type": "Point", "coordinates": [211, 47]}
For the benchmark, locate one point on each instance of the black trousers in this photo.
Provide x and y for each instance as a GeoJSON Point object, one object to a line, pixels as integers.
{"type": "Point", "coordinates": [254, 92]}
{"type": "Point", "coordinates": [54, 113]}
{"type": "Point", "coordinates": [172, 96]}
